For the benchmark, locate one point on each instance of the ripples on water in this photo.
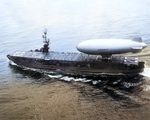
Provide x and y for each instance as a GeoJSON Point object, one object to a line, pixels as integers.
{"type": "Point", "coordinates": [68, 23]}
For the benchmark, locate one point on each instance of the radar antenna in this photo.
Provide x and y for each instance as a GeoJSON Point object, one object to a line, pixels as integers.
{"type": "Point", "coordinates": [45, 47]}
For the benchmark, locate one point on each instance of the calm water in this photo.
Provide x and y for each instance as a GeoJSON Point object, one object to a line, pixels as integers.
{"type": "Point", "coordinates": [68, 23]}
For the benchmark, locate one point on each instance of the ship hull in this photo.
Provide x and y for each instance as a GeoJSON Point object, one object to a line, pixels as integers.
{"type": "Point", "coordinates": [103, 66]}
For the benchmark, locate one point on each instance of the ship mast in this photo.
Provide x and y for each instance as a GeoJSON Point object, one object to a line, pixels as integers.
{"type": "Point", "coordinates": [45, 47]}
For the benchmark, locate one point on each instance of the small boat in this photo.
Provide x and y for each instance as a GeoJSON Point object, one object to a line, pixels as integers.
{"type": "Point", "coordinates": [75, 62]}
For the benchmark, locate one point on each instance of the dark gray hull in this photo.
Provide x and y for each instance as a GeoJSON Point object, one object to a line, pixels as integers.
{"type": "Point", "coordinates": [97, 66]}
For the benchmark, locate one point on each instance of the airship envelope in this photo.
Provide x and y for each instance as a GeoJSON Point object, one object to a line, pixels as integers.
{"type": "Point", "coordinates": [111, 46]}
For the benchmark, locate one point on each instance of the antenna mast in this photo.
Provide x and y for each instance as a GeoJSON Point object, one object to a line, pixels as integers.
{"type": "Point", "coordinates": [45, 47]}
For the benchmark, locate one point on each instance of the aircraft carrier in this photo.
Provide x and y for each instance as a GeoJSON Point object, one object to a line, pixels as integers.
{"type": "Point", "coordinates": [75, 62]}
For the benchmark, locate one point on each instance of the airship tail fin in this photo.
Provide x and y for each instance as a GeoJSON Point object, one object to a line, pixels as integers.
{"type": "Point", "coordinates": [137, 39]}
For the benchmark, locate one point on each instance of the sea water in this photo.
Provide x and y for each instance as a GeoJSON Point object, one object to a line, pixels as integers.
{"type": "Point", "coordinates": [68, 23]}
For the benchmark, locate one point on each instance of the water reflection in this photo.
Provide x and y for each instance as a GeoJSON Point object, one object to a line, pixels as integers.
{"type": "Point", "coordinates": [117, 86]}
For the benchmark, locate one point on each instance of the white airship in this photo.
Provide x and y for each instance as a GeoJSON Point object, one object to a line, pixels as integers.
{"type": "Point", "coordinates": [107, 47]}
